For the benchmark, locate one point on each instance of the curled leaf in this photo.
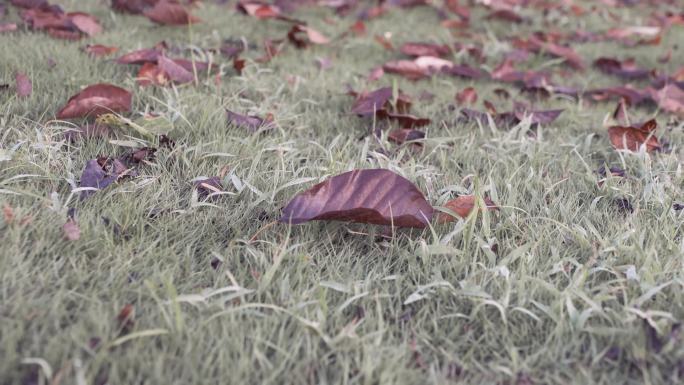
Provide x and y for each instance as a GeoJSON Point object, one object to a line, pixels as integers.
{"type": "Point", "coordinates": [632, 138]}
{"type": "Point", "coordinates": [96, 100]}
{"type": "Point", "coordinates": [374, 196]}
{"type": "Point", "coordinates": [463, 206]}
{"type": "Point", "coordinates": [170, 13]}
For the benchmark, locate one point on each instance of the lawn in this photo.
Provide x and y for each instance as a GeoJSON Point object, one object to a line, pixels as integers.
{"type": "Point", "coordinates": [577, 278]}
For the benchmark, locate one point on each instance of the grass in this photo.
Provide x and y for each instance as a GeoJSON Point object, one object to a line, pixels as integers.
{"type": "Point", "coordinates": [562, 286]}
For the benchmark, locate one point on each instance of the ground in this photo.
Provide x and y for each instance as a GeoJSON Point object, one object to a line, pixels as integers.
{"type": "Point", "coordinates": [571, 281]}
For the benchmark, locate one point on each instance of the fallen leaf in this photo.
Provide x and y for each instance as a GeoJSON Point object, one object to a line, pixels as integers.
{"type": "Point", "coordinates": [142, 56]}
{"type": "Point", "coordinates": [466, 96]}
{"type": "Point", "coordinates": [100, 173]}
{"type": "Point", "coordinates": [132, 6]}
{"type": "Point", "coordinates": [85, 23]}
{"type": "Point", "coordinates": [258, 9]}
{"type": "Point", "coordinates": [150, 73]}
{"type": "Point", "coordinates": [208, 186]}
{"type": "Point", "coordinates": [425, 49]}
{"type": "Point", "coordinates": [126, 318]}
{"type": "Point", "coordinates": [463, 206]}
{"type": "Point", "coordinates": [670, 98]}
{"type": "Point", "coordinates": [369, 104]}
{"type": "Point", "coordinates": [24, 86]}
{"type": "Point", "coordinates": [174, 71]}
{"type": "Point", "coordinates": [374, 196]}
{"type": "Point", "coordinates": [408, 121]}
{"type": "Point", "coordinates": [402, 135]}
{"type": "Point", "coordinates": [312, 36]}
{"type": "Point", "coordinates": [624, 69]}
{"type": "Point", "coordinates": [96, 100]}
{"type": "Point", "coordinates": [168, 13]}
{"type": "Point", "coordinates": [71, 230]}
{"type": "Point", "coordinates": [631, 138]}
{"type": "Point", "coordinates": [8, 27]}
{"type": "Point", "coordinates": [99, 50]}
{"type": "Point", "coordinates": [251, 123]}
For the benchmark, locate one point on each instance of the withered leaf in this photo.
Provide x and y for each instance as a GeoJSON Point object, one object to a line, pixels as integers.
{"type": "Point", "coordinates": [170, 13]}
{"type": "Point", "coordinates": [466, 96]}
{"type": "Point", "coordinates": [463, 206]}
{"type": "Point", "coordinates": [99, 50]}
{"type": "Point", "coordinates": [312, 36]}
{"type": "Point", "coordinates": [96, 100]}
{"type": "Point", "coordinates": [425, 49]}
{"type": "Point", "coordinates": [624, 69]}
{"type": "Point", "coordinates": [374, 196]}
{"type": "Point", "coordinates": [71, 230]}
{"type": "Point", "coordinates": [150, 73]}
{"type": "Point", "coordinates": [251, 123]}
{"type": "Point", "coordinates": [174, 71]}
{"type": "Point", "coordinates": [258, 9]}
{"type": "Point", "coordinates": [24, 85]}
{"type": "Point", "coordinates": [8, 27]}
{"type": "Point", "coordinates": [402, 135]}
{"type": "Point", "coordinates": [369, 104]}
{"type": "Point", "coordinates": [631, 138]}
{"type": "Point", "coordinates": [208, 186]}
{"type": "Point", "coordinates": [142, 56]}
{"type": "Point", "coordinates": [85, 23]}
{"type": "Point", "coordinates": [100, 173]}
{"type": "Point", "coordinates": [670, 98]}
{"type": "Point", "coordinates": [132, 6]}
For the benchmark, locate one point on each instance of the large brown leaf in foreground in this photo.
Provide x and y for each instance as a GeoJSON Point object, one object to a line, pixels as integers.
{"type": "Point", "coordinates": [96, 100]}
{"type": "Point", "coordinates": [631, 138]}
{"type": "Point", "coordinates": [463, 206]}
{"type": "Point", "coordinates": [374, 196]}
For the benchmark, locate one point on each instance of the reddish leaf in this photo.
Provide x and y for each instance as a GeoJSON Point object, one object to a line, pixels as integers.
{"type": "Point", "coordinates": [126, 318]}
{"type": "Point", "coordinates": [625, 69]}
{"type": "Point", "coordinates": [71, 230]}
{"type": "Point", "coordinates": [670, 98]}
{"type": "Point", "coordinates": [7, 27]}
{"type": "Point", "coordinates": [375, 196]}
{"type": "Point", "coordinates": [239, 65]}
{"type": "Point", "coordinates": [150, 73]}
{"type": "Point", "coordinates": [166, 12]}
{"type": "Point", "coordinates": [24, 86]}
{"type": "Point", "coordinates": [424, 49]}
{"type": "Point", "coordinates": [132, 6]}
{"type": "Point", "coordinates": [96, 100]}
{"type": "Point", "coordinates": [631, 95]}
{"type": "Point", "coordinates": [258, 9]}
{"type": "Point", "coordinates": [85, 23]}
{"type": "Point", "coordinates": [408, 121]}
{"type": "Point", "coordinates": [312, 36]}
{"type": "Point", "coordinates": [632, 138]}
{"type": "Point", "coordinates": [401, 135]}
{"type": "Point", "coordinates": [466, 96]}
{"type": "Point", "coordinates": [173, 71]}
{"type": "Point", "coordinates": [99, 50]}
{"type": "Point", "coordinates": [251, 123]}
{"type": "Point", "coordinates": [463, 206]}
{"type": "Point", "coordinates": [369, 104]}
{"type": "Point", "coordinates": [142, 56]}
